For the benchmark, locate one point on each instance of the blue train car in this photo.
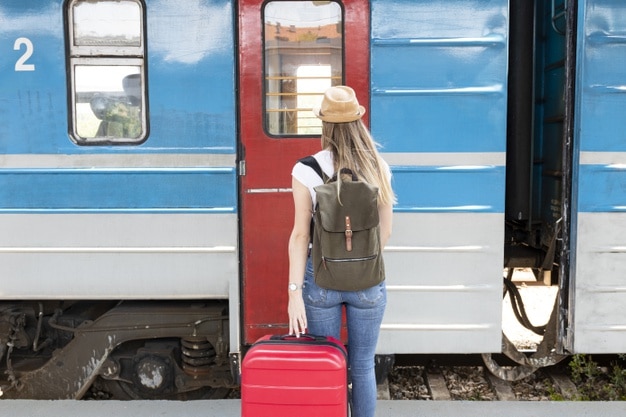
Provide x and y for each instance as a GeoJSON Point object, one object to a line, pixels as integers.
{"type": "Point", "coordinates": [596, 294]}
{"type": "Point", "coordinates": [439, 104]}
{"type": "Point", "coordinates": [118, 178]}
{"type": "Point", "coordinates": [111, 186]}
{"type": "Point", "coordinates": [145, 156]}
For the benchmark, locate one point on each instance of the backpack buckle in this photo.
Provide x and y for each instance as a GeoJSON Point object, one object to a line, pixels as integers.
{"type": "Point", "coordinates": [348, 234]}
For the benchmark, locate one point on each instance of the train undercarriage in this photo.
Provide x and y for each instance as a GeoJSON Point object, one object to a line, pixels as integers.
{"type": "Point", "coordinates": [127, 350]}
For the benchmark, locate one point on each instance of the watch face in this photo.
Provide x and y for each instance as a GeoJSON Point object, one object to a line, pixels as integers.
{"type": "Point", "coordinates": [293, 287]}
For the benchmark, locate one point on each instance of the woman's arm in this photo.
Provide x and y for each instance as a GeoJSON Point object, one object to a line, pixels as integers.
{"type": "Point", "coordinates": [298, 249]}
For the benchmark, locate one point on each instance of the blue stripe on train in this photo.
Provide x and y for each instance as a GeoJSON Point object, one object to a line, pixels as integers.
{"type": "Point", "coordinates": [191, 189]}
{"type": "Point", "coordinates": [602, 188]}
{"type": "Point", "coordinates": [449, 189]}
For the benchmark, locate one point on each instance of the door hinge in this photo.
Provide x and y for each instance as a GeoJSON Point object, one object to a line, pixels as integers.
{"type": "Point", "coordinates": [242, 168]}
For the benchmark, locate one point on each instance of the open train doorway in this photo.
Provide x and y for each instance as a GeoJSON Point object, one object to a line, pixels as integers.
{"type": "Point", "coordinates": [537, 180]}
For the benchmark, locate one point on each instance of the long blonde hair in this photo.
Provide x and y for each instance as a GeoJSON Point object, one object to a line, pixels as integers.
{"type": "Point", "coordinates": [353, 147]}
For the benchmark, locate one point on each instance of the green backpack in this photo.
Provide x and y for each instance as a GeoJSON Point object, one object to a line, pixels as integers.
{"type": "Point", "coordinates": [346, 251]}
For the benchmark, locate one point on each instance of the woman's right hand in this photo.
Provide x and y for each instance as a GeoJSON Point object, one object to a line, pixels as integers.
{"type": "Point", "coordinates": [298, 250]}
{"type": "Point", "coordinates": [297, 313]}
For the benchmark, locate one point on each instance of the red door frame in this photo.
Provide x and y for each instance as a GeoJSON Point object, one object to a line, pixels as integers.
{"type": "Point", "coordinates": [266, 209]}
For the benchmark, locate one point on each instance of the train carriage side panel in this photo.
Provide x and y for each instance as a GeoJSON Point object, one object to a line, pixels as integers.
{"type": "Point", "coordinates": [598, 291]}
{"type": "Point", "coordinates": [439, 96]}
{"type": "Point", "coordinates": [32, 107]}
{"type": "Point", "coordinates": [151, 220]}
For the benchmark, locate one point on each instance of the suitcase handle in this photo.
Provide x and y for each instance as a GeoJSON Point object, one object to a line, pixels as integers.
{"type": "Point", "coordinates": [303, 335]}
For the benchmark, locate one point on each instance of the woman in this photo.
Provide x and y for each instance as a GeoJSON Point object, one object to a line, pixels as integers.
{"type": "Point", "coordinates": [346, 143]}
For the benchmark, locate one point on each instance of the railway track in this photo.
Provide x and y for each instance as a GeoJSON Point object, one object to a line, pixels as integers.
{"type": "Point", "coordinates": [582, 379]}
{"type": "Point", "coordinates": [475, 384]}
{"type": "Point", "coordinates": [232, 408]}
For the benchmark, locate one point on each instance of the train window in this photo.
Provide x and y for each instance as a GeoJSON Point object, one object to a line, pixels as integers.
{"type": "Point", "coordinates": [107, 23]}
{"type": "Point", "coordinates": [303, 45]}
{"type": "Point", "coordinates": [107, 67]}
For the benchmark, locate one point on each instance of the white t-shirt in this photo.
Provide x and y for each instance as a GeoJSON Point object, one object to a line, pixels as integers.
{"type": "Point", "coordinates": [307, 175]}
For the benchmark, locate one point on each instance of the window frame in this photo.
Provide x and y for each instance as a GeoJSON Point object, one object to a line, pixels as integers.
{"type": "Point", "coordinates": [265, 76]}
{"type": "Point", "coordinates": [105, 55]}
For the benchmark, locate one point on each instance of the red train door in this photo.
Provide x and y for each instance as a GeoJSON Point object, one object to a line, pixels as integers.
{"type": "Point", "coordinates": [289, 53]}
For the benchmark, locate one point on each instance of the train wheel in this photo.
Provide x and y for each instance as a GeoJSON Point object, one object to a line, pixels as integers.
{"type": "Point", "coordinates": [159, 369]}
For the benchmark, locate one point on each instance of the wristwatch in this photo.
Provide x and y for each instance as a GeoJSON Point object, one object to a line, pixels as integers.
{"type": "Point", "coordinates": [293, 286]}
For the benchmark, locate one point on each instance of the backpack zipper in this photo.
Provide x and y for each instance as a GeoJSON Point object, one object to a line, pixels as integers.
{"type": "Point", "coordinates": [361, 259]}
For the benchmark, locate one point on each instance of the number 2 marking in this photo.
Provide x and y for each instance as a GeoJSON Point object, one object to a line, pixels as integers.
{"type": "Point", "coordinates": [21, 64]}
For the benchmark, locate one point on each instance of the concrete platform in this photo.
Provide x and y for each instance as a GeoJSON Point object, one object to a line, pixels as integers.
{"type": "Point", "coordinates": [232, 408]}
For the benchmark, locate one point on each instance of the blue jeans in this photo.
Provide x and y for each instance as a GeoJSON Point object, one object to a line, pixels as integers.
{"type": "Point", "coordinates": [364, 315]}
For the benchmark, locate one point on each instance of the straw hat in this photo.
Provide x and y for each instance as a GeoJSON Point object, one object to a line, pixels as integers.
{"type": "Point", "coordinates": [339, 105]}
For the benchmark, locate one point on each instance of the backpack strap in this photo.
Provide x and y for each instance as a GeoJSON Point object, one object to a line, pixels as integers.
{"type": "Point", "coordinates": [346, 171]}
{"type": "Point", "coordinates": [313, 164]}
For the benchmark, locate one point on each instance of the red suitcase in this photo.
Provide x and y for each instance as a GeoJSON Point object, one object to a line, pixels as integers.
{"type": "Point", "coordinates": [285, 376]}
